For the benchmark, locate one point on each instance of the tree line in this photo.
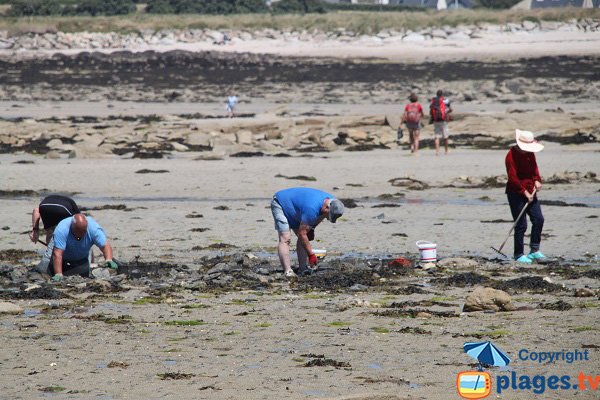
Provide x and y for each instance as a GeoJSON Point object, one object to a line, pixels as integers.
{"type": "Point", "coordinates": [21, 8]}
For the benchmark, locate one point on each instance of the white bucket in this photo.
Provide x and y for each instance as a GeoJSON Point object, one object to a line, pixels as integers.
{"type": "Point", "coordinates": [427, 250]}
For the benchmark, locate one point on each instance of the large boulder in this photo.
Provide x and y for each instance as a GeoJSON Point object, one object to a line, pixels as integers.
{"type": "Point", "coordinates": [483, 299]}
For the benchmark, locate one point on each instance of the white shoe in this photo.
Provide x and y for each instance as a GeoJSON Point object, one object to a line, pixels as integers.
{"type": "Point", "coordinates": [290, 274]}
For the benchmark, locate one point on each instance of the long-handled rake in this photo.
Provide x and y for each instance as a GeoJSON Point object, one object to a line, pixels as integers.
{"type": "Point", "coordinates": [499, 251]}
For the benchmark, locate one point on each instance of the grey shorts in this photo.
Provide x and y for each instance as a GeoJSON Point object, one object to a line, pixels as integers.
{"type": "Point", "coordinates": [440, 129]}
{"type": "Point", "coordinates": [281, 222]}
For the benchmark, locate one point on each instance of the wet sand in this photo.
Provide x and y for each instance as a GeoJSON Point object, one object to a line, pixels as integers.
{"type": "Point", "coordinates": [200, 308]}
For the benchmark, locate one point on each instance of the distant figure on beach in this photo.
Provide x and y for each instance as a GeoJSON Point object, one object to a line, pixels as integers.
{"type": "Point", "coordinates": [73, 239]}
{"type": "Point", "coordinates": [524, 181]}
{"type": "Point", "coordinates": [230, 104]}
{"type": "Point", "coordinates": [412, 118]}
{"type": "Point", "coordinates": [439, 111]}
{"type": "Point", "coordinates": [301, 210]}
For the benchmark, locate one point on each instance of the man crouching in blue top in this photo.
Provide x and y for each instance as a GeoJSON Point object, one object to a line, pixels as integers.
{"type": "Point", "coordinates": [73, 239]}
{"type": "Point", "coordinates": [301, 210]}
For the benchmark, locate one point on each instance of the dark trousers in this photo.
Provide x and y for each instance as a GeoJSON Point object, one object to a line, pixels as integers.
{"type": "Point", "coordinates": [79, 267]}
{"type": "Point", "coordinates": [517, 202]}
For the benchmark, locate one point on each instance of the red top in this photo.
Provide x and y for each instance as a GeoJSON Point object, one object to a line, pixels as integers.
{"type": "Point", "coordinates": [522, 171]}
{"type": "Point", "coordinates": [409, 106]}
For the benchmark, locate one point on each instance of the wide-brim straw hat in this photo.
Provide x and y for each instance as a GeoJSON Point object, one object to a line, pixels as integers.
{"type": "Point", "coordinates": [526, 141]}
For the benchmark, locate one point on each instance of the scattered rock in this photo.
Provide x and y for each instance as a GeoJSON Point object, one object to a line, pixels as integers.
{"type": "Point", "coordinates": [488, 299]}
{"type": "Point", "coordinates": [584, 292]}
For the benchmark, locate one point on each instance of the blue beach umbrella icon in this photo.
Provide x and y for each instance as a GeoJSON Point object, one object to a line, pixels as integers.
{"type": "Point", "coordinates": [486, 353]}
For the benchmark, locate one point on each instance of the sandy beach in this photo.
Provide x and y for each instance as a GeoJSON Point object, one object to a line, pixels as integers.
{"type": "Point", "coordinates": [199, 307]}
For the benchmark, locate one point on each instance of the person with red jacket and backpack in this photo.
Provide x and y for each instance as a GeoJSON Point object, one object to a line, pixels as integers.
{"type": "Point", "coordinates": [524, 181]}
{"type": "Point", "coordinates": [412, 118]}
{"type": "Point", "coordinates": [439, 111]}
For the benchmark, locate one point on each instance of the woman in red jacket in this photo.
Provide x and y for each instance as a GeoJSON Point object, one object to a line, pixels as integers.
{"type": "Point", "coordinates": [523, 181]}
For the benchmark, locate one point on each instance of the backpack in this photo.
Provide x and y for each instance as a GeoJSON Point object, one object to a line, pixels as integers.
{"type": "Point", "coordinates": [413, 114]}
{"type": "Point", "coordinates": [437, 109]}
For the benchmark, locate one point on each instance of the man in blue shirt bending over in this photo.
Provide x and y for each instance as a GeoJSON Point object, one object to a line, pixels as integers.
{"type": "Point", "coordinates": [301, 210]}
{"type": "Point", "coordinates": [73, 239]}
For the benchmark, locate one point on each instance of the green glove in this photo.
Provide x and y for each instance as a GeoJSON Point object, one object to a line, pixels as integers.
{"type": "Point", "coordinates": [57, 278]}
{"type": "Point", "coordinates": [111, 264]}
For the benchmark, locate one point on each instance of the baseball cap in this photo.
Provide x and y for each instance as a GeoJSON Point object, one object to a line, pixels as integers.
{"type": "Point", "coordinates": [336, 209]}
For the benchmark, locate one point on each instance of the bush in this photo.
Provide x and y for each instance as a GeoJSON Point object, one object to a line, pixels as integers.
{"type": "Point", "coordinates": [250, 6]}
{"type": "Point", "coordinates": [298, 6]}
{"type": "Point", "coordinates": [159, 7]}
{"type": "Point", "coordinates": [105, 7]}
{"type": "Point", "coordinates": [498, 4]}
{"type": "Point", "coordinates": [21, 8]}
{"type": "Point", "coordinates": [371, 7]}
{"type": "Point", "coordinates": [216, 7]}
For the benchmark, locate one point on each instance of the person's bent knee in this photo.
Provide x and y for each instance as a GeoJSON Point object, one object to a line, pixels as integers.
{"type": "Point", "coordinates": [285, 237]}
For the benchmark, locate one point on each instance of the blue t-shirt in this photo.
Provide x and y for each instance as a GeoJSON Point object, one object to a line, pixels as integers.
{"type": "Point", "coordinates": [78, 249]}
{"type": "Point", "coordinates": [302, 205]}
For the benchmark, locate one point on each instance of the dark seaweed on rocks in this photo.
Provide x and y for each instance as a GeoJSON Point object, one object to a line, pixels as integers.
{"type": "Point", "coordinates": [327, 362]}
{"type": "Point", "coordinates": [463, 279]}
{"type": "Point", "coordinates": [336, 280]}
{"type": "Point", "coordinates": [532, 284]}
{"type": "Point", "coordinates": [577, 138]}
{"type": "Point", "coordinates": [561, 203]}
{"type": "Point", "coordinates": [408, 290]}
{"type": "Point", "coordinates": [593, 273]}
{"type": "Point", "coordinates": [349, 203]}
{"type": "Point", "coordinates": [45, 291]}
{"type": "Point", "coordinates": [559, 305]}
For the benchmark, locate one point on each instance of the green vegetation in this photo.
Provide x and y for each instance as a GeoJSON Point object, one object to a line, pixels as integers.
{"type": "Point", "coordinates": [193, 306]}
{"type": "Point", "coordinates": [21, 8]}
{"type": "Point", "coordinates": [338, 324]}
{"type": "Point", "coordinates": [182, 322]}
{"type": "Point", "coordinates": [354, 21]}
{"type": "Point", "coordinates": [583, 329]}
{"type": "Point", "coordinates": [215, 7]}
{"type": "Point", "coordinates": [53, 389]}
{"type": "Point", "coordinates": [147, 300]}
{"type": "Point", "coordinates": [497, 4]}
{"type": "Point", "coordinates": [230, 333]}
{"type": "Point", "coordinates": [380, 329]}
{"type": "Point", "coordinates": [263, 325]}
{"type": "Point", "coordinates": [588, 304]}
{"type": "Point", "coordinates": [299, 6]}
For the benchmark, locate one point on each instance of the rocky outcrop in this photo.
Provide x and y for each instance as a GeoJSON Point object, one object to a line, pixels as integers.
{"type": "Point", "coordinates": [144, 38]}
